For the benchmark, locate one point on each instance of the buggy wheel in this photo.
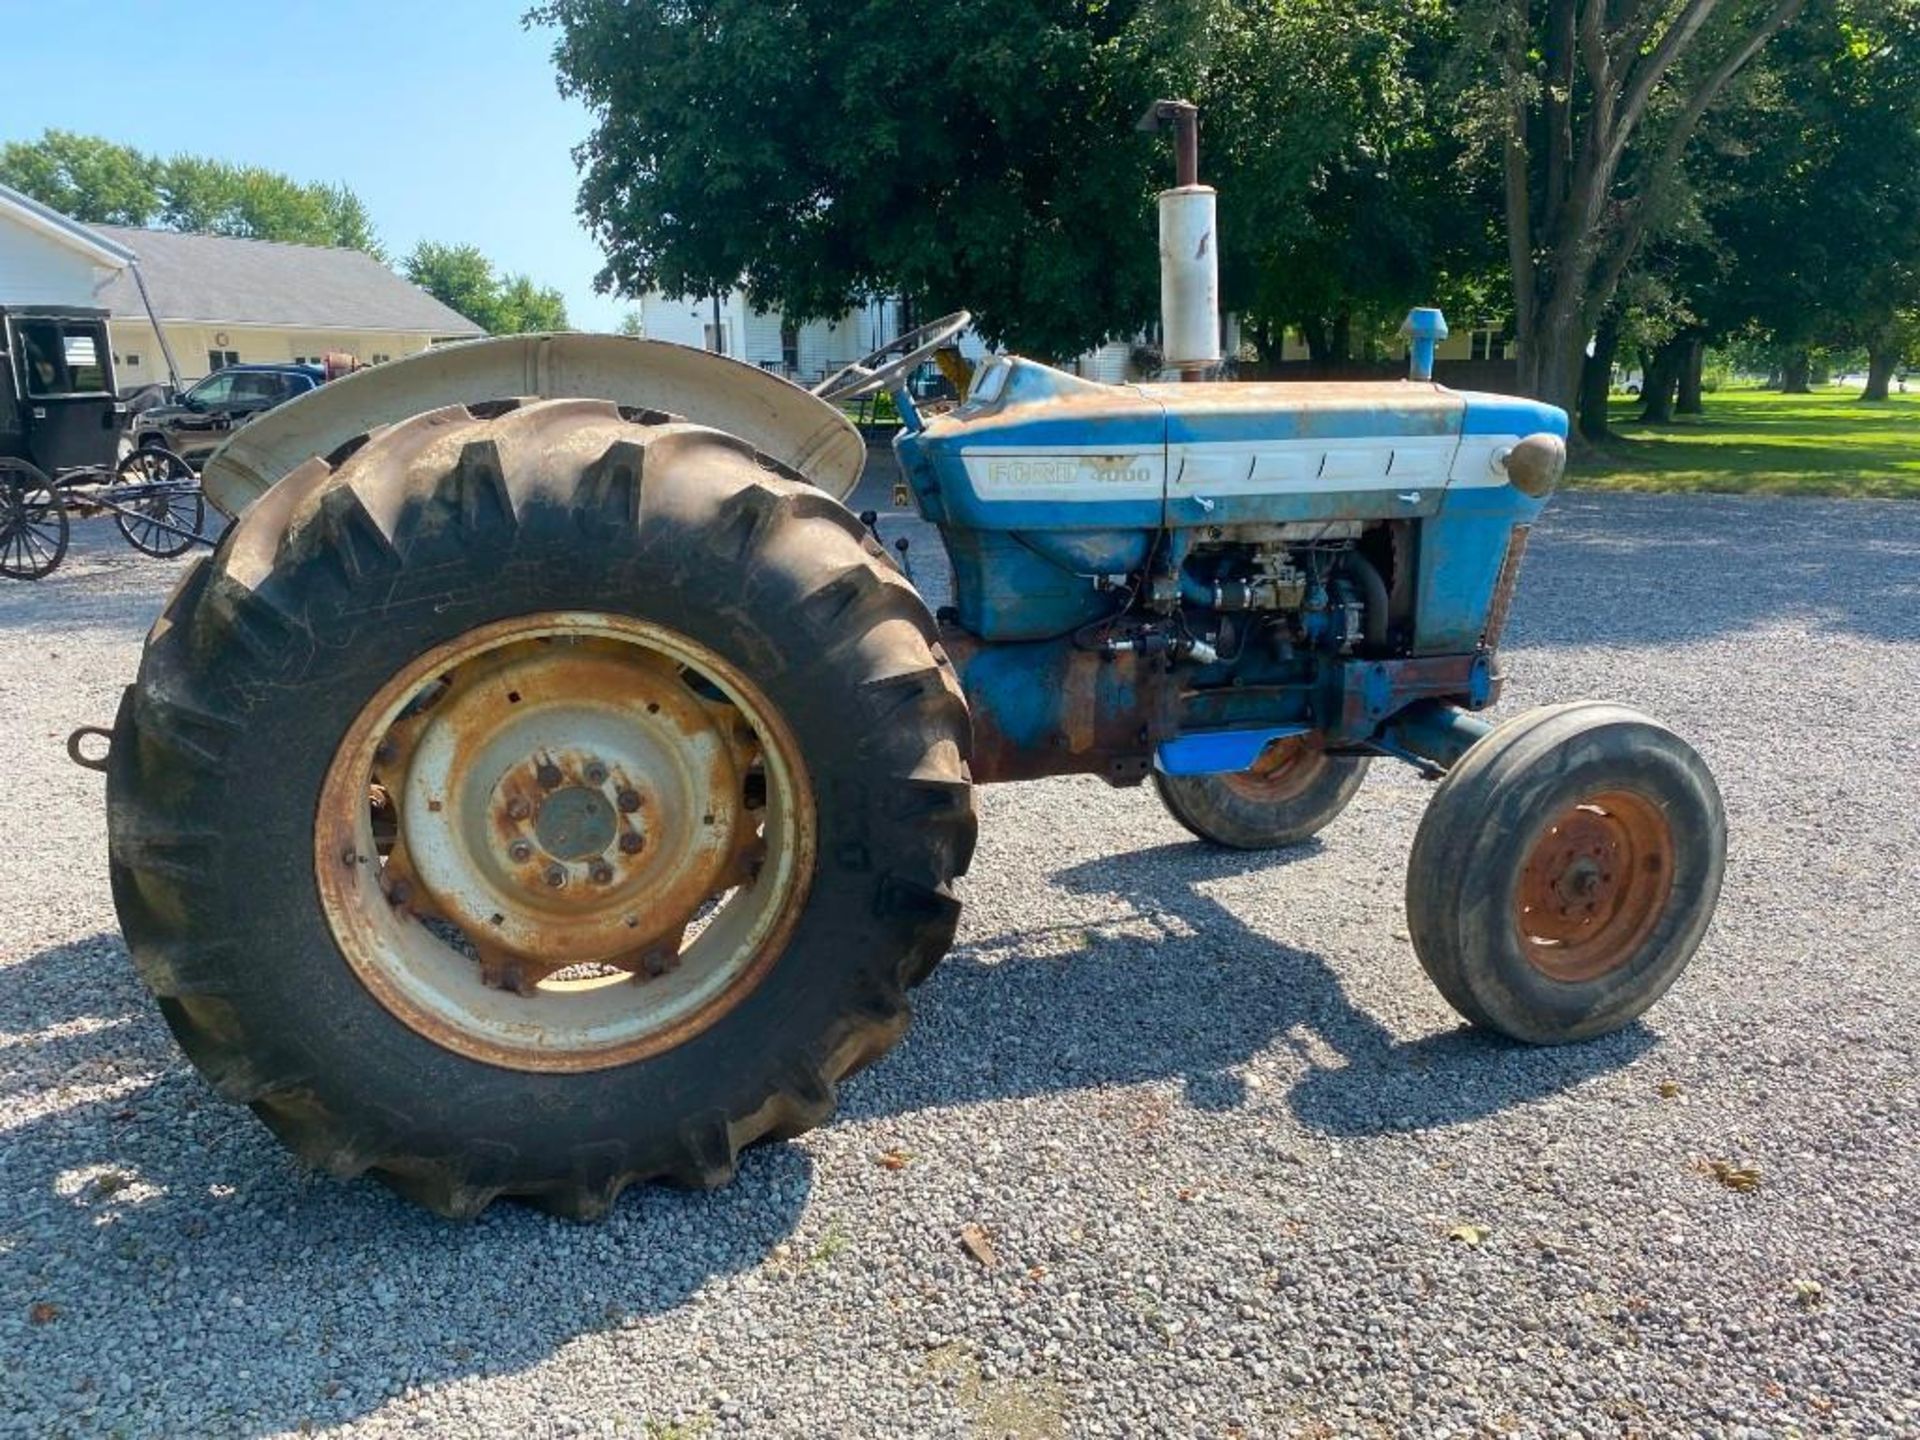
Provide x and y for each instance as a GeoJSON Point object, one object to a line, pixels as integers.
{"type": "Point", "coordinates": [1565, 872]}
{"type": "Point", "coordinates": [33, 522]}
{"type": "Point", "coordinates": [1292, 792]}
{"type": "Point", "coordinates": [529, 801]}
{"type": "Point", "coordinates": [176, 502]}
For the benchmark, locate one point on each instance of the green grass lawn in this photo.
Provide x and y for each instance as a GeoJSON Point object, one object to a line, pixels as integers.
{"type": "Point", "coordinates": [1757, 441]}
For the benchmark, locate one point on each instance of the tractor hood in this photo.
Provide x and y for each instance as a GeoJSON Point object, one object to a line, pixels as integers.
{"type": "Point", "coordinates": [1034, 447]}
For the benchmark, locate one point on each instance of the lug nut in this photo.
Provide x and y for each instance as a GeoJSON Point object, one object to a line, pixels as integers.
{"type": "Point", "coordinates": [520, 852]}
{"type": "Point", "coordinates": [631, 842]}
{"type": "Point", "coordinates": [596, 773]}
{"type": "Point", "coordinates": [548, 775]}
{"type": "Point", "coordinates": [518, 808]}
{"type": "Point", "coordinates": [556, 876]}
{"type": "Point", "coordinates": [629, 801]}
{"type": "Point", "coordinates": [601, 872]}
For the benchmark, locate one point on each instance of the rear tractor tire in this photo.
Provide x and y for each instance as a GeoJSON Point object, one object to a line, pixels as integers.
{"type": "Point", "coordinates": [1291, 793]}
{"type": "Point", "coordinates": [1565, 872]}
{"type": "Point", "coordinates": [532, 799]}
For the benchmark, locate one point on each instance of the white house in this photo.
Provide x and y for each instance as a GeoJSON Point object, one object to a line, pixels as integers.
{"type": "Point", "coordinates": [805, 353]}
{"type": "Point", "coordinates": [227, 301]}
{"type": "Point", "coordinates": [48, 259]}
{"type": "Point", "coordinates": [219, 300]}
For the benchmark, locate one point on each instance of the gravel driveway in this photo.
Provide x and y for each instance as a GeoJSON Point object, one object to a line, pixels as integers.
{"type": "Point", "coordinates": [1240, 1170]}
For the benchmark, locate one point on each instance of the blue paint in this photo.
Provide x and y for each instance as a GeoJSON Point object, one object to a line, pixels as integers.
{"type": "Point", "coordinates": [1461, 550]}
{"type": "Point", "coordinates": [1510, 415]}
{"type": "Point", "coordinates": [1424, 328]}
{"type": "Point", "coordinates": [1005, 590]}
{"type": "Point", "coordinates": [1219, 752]}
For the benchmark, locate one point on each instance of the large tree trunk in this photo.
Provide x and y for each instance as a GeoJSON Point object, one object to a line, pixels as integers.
{"type": "Point", "coordinates": [1693, 361]}
{"type": "Point", "coordinates": [1795, 372]}
{"type": "Point", "coordinates": [1596, 381]}
{"type": "Point", "coordinates": [1660, 382]}
{"type": "Point", "coordinates": [1881, 363]}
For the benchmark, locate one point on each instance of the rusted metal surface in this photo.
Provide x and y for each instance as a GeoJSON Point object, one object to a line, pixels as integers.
{"type": "Point", "coordinates": [564, 842]}
{"type": "Point", "coordinates": [1285, 770]}
{"type": "Point", "coordinates": [1047, 708]}
{"type": "Point", "coordinates": [777, 418]}
{"type": "Point", "coordinates": [1369, 692]}
{"type": "Point", "coordinates": [1594, 886]}
{"type": "Point", "coordinates": [1503, 587]}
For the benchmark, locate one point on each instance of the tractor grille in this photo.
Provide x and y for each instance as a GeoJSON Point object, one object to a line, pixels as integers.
{"type": "Point", "coordinates": [1503, 587]}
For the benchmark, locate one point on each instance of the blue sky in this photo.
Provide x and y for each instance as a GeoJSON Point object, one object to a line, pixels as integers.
{"type": "Point", "coordinates": [443, 117]}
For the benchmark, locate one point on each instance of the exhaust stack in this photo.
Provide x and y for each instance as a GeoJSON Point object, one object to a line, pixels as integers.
{"type": "Point", "coordinates": [1189, 253]}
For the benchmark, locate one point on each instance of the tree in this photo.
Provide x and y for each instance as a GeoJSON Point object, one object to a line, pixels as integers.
{"type": "Point", "coordinates": [783, 149]}
{"type": "Point", "coordinates": [99, 182]}
{"type": "Point", "coordinates": [1345, 199]}
{"type": "Point", "coordinates": [95, 181]}
{"type": "Point", "coordinates": [463, 279]}
{"type": "Point", "coordinates": [1592, 107]}
{"type": "Point", "coordinates": [791, 150]}
{"type": "Point", "coordinates": [1814, 197]}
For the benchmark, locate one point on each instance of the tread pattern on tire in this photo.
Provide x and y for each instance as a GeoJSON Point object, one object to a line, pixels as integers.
{"type": "Point", "coordinates": [343, 528]}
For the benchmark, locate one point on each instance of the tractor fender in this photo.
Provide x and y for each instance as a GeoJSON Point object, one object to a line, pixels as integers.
{"type": "Point", "coordinates": [775, 416]}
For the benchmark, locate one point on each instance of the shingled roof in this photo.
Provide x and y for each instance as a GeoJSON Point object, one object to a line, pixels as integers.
{"type": "Point", "coordinates": [217, 279]}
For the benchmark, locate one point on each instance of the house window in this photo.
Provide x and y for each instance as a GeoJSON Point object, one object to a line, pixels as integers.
{"type": "Point", "coordinates": [379, 359]}
{"type": "Point", "coordinates": [1489, 345]}
{"type": "Point", "coordinates": [220, 359]}
{"type": "Point", "coordinates": [133, 361]}
{"type": "Point", "coordinates": [715, 337]}
{"type": "Point", "coordinates": [790, 347]}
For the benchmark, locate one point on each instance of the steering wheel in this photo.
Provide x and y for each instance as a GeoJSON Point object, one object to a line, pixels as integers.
{"type": "Point", "coordinates": [877, 372]}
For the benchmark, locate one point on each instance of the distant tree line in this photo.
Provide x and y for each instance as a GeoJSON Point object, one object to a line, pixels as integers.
{"type": "Point", "coordinates": [100, 182]}
{"type": "Point", "coordinates": [1611, 177]}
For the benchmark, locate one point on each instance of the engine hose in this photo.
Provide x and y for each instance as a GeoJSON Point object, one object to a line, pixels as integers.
{"type": "Point", "coordinates": [1374, 592]}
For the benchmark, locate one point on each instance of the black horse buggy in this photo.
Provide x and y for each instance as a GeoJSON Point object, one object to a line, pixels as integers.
{"type": "Point", "coordinates": [60, 447]}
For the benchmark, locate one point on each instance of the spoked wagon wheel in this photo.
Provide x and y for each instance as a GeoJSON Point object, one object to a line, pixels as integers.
{"type": "Point", "coordinates": [1566, 871]}
{"type": "Point", "coordinates": [533, 802]}
{"type": "Point", "coordinates": [176, 502]}
{"type": "Point", "coordinates": [1292, 792]}
{"type": "Point", "coordinates": [33, 522]}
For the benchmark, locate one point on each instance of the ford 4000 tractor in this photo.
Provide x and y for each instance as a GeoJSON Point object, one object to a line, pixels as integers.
{"type": "Point", "coordinates": [549, 784]}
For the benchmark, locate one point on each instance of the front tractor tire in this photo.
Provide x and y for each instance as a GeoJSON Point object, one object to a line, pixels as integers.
{"type": "Point", "coordinates": [1565, 872]}
{"type": "Point", "coordinates": [1290, 794]}
{"type": "Point", "coordinates": [535, 798]}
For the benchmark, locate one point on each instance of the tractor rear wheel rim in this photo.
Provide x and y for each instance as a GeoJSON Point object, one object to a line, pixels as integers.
{"type": "Point", "coordinates": [1594, 885]}
{"type": "Point", "coordinates": [564, 842]}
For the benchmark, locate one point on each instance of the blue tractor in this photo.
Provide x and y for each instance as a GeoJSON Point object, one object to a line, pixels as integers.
{"type": "Point", "coordinates": [550, 784]}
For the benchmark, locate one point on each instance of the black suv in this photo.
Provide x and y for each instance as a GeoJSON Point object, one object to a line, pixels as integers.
{"type": "Point", "coordinates": [196, 424]}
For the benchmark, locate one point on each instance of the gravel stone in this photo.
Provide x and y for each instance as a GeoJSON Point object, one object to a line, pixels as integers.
{"type": "Point", "coordinates": [1213, 1118]}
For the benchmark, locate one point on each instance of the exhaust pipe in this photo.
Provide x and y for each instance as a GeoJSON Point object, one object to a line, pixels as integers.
{"type": "Point", "coordinates": [1189, 254]}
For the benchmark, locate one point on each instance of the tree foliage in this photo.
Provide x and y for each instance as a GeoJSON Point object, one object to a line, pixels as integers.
{"type": "Point", "coordinates": [994, 163]}
{"type": "Point", "coordinates": [1591, 106]}
{"type": "Point", "coordinates": [463, 279]}
{"type": "Point", "coordinates": [97, 181]}
{"type": "Point", "coordinates": [1816, 209]}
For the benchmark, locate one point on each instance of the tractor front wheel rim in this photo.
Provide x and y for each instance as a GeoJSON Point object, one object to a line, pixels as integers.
{"type": "Point", "coordinates": [564, 842]}
{"type": "Point", "coordinates": [1594, 885]}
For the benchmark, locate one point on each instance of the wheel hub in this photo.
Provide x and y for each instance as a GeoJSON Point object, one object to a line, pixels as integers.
{"type": "Point", "coordinates": [576, 823]}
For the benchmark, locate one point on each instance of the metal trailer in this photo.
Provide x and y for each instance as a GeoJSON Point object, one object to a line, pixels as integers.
{"type": "Point", "coordinates": [60, 451]}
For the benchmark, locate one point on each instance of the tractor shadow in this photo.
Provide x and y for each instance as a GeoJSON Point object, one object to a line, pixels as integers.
{"type": "Point", "coordinates": [1185, 990]}
{"type": "Point", "coordinates": [159, 1220]}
